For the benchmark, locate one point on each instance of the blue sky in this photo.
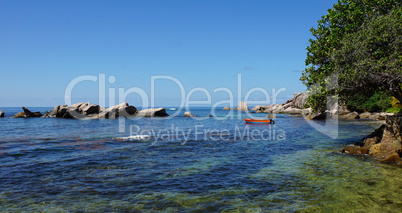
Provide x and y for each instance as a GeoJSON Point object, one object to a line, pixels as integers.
{"type": "Point", "coordinates": [45, 44]}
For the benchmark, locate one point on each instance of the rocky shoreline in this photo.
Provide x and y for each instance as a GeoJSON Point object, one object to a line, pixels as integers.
{"type": "Point", "coordinates": [295, 107]}
{"type": "Point", "coordinates": [383, 144]}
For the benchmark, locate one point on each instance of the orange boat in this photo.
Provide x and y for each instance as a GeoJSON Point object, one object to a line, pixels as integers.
{"type": "Point", "coordinates": [259, 121]}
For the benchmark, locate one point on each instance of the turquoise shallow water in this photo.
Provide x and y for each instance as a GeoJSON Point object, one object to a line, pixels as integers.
{"type": "Point", "coordinates": [186, 165]}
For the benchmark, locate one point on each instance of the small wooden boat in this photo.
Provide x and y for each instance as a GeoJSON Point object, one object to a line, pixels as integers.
{"type": "Point", "coordinates": [259, 121]}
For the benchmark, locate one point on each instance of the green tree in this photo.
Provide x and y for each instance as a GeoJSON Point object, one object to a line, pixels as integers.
{"type": "Point", "coordinates": [380, 101]}
{"type": "Point", "coordinates": [344, 21]}
{"type": "Point", "coordinates": [370, 59]}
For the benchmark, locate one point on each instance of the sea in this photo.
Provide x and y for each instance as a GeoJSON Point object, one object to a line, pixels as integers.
{"type": "Point", "coordinates": [210, 163]}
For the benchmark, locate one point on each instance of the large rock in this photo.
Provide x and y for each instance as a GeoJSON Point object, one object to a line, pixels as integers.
{"type": "Point", "coordinates": [288, 105]}
{"type": "Point", "coordinates": [155, 112]}
{"type": "Point", "coordinates": [46, 115]}
{"type": "Point", "coordinates": [385, 143]}
{"type": "Point", "coordinates": [242, 106]}
{"type": "Point", "coordinates": [352, 115]}
{"type": "Point", "coordinates": [226, 108]}
{"type": "Point", "coordinates": [292, 110]}
{"type": "Point", "coordinates": [19, 115]}
{"type": "Point", "coordinates": [65, 111]}
{"type": "Point", "coordinates": [337, 108]}
{"type": "Point", "coordinates": [1, 114]}
{"type": "Point", "coordinates": [290, 102]}
{"type": "Point", "coordinates": [278, 108]}
{"type": "Point", "coordinates": [73, 113]}
{"type": "Point", "coordinates": [121, 110]}
{"type": "Point", "coordinates": [269, 108]}
{"type": "Point", "coordinates": [316, 116]}
{"type": "Point", "coordinates": [68, 112]}
{"type": "Point", "coordinates": [77, 105]}
{"type": "Point", "coordinates": [374, 116]}
{"type": "Point", "coordinates": [372, 141]}
{"type": "Point", "coordinates": [306, 112]}
{"type": "Point", "coordinates": [375, 149]}
{"type": "Point", "coordinates": [261, 107]}
{"type": "Point", "coordinates": [364, 115]}
{"type": "Point", "coordinates": [83, 110]}
{"type": "Point", "coordinates": [392, 158]}
{"type": "Point", "coordinates": [383, 115]}
{"type": "Point", "coordinates": [58, 111]}
{"type": "Point", "coordinates": [77, 110]}
{"type": "Point", "coordinates": [30, 114]}
{"type": "Point", "coordinates": [300, 100]}
{"type": "Point", "coordinates": [188, 114]}
{"type": "Point", "coordinates": [352, 150]}
{"type": "Point", "coordinates": [90, 109]}
{"type": "Point", "coordinates": [27, 114]}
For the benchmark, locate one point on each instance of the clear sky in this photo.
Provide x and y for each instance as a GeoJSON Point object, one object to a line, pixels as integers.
{"type": "Point", "coordinates": [45, 44]}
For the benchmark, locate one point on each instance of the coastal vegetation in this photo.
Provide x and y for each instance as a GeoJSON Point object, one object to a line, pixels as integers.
{"type": "Point", "coordinates": [355, 58]}
{"type": "Point", "coordinates": [356, 55]}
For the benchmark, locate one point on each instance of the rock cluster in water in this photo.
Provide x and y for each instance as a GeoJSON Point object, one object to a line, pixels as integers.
{"type": "Point", "coordinates": [384, 144]}
{"type": "Point", "coordinates": [27, 114]}
{"type": "Point", "coordinates": [93, 111]}
{"type": "Point", "coordinates": [296, 107]}
{"type": "Point", "coordinates": [292, 106]}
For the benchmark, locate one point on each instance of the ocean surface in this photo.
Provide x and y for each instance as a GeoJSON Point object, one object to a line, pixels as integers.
{"type": "Point", "coordinates": [179, 164]}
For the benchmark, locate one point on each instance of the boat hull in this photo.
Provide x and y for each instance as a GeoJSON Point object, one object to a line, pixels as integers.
{"type": "Point", "coordinates": [258, 121]}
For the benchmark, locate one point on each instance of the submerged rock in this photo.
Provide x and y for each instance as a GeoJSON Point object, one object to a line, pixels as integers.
{"type": "Point", "coordinates": [352, 150]}
{"type": "Point", "coordinates": [392, 158]}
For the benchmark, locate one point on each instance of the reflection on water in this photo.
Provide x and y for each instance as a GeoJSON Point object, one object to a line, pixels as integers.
{"type": "Point", "coordinates": [74, 166]}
